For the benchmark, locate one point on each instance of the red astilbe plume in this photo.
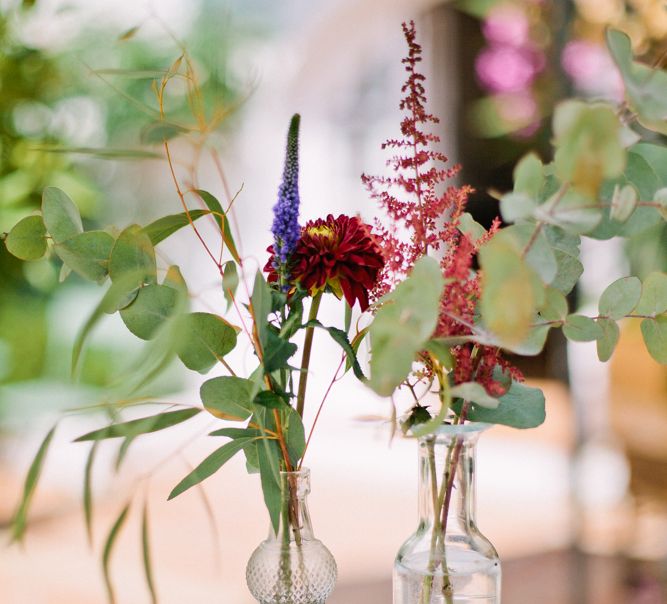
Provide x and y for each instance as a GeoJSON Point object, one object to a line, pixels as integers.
{"type": "Point", "coordinates": [423, 215]}
{"type": "Point", "coordinates": [412, 198]}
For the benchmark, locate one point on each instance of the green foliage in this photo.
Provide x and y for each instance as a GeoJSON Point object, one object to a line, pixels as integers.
{"type": "Point", "coordinates": [145, 425]}
{"type": "Point", "coordinates": [108, 549]}
{"type": "Point", "coordinates": [146, 555]}
{"type": "Point", "coordinates": [521, 407]}
{"type": "Point", "coordinates": [223, 223]}
{"type": "Point", "coordinates": [27, 239]}
{"type": "Point", "coordinates": [588, 145]}
{"type": "Point", "coordinates": [623, 203]}
{"type": "Point", "coordinates": [529, 176]}
{"type": "Point", "coordinates": [620, 298]}
{"type": "Point", "coordinates": [606, 343]}
{"type": "Point", "coordinates": [210, 465]}
{"type": "Point", "coordinates": [153, 305]}
{"type": "Point", "coordinates": [474, 393]}
{"type": "Point", "coordinates": [19, 520]}
{"type": "Point", "coordinates": [60, 214]}
{"type": "Point", "coordinates": [162, 228]}
{"type": "Point", "coordinates": [230, 281]}
{"type": "Point", "coordinates": [509, 297]}
{"type": "Point", "coordinates": [88, 491]}
{"type": "Point", "coordinates": [203, 339]}
{"type": "Point", "coordinates": [653, 300]}
{"type": "Point", "coordinates": [268, 456]}
{"type": "Point", "coordinates": [87, 254]}
{"type": "Point", "coordinates": [133, 254]}
{"type": "Point", "coordinates": [579, 328]}
{"type": "Point", "coordinates": [644, 87]}
{"type": "Point", "coordinates": [228, 397]}
{"type": "Point", "coordinates": [403, 324]}
{"type": "Point", "coordinates": [654, 332]}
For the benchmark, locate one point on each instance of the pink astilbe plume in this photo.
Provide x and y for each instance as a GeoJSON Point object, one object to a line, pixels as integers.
{"type": "Point", "coordinates": [423, 215]}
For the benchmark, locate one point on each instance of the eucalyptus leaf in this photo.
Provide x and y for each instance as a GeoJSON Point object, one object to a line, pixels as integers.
{"type": "Point", "coordinates": [230, 282]}
{"type": "Point", "coordinates": [653, 300]}
{"type": "Point", "coordinates": [133, 254]}
{"type": "Point", "coordinates": [529, 176]}
{"type": "Point", "coordinates": [610, 335]}
{"type": "Point", "coordinates": [517, 206]}
{"type": "Point", "coordinates": [210, 465]}
{"type": "Point", "coordinates": [223, 223]}
{"type": "Point", "coordinates": [472, 228]}
{"type": "Point", "coordinates": [87, 254]}
{"type": "Point", "coordinates": [108, 549]}
{"type": "Point", "coordinates": [269, 471]}
{"type": "Point", "coordinates": [655, 338]}
{"type": "Point", "coordinates": [228, 397]}
{"type": "Point", "coordinates": [475, 393]}
{"type": "Point", "coordinates": [204, 338]}
{"type": "Point", "coordinates": [27, 239]}
{"type": "Point", "coordinates": [623, 203]}
{"type": "Point", "coordinates": [620, 297]}
{"type": "Point", "coordinates": [579, 328]}
{"type": "Point", "coordinates": [153, 305]}
{"type": "Point", "coordinates": [146, 555]}
{"type": "Point", "coordinates": [555, 307]}
{"type": "Point", "coordinates": [60, 214]}
{"type": "Point", "coordinates": [163, 227]}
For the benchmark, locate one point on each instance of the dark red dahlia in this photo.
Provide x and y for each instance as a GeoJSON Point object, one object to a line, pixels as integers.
{"type": "Point", "coordinates": [340, 255]}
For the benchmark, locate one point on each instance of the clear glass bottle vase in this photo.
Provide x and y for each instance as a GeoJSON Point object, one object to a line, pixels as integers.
{"type": "Point", "coordinates": [447, 560]}
{"type": "Point", "coordinates": [292, 566]}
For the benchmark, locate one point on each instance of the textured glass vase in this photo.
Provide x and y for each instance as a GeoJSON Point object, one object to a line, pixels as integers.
{"type": "Point", "coordinates": [291, 566]}
{"type": "Point", "coordinates": [447, 560]}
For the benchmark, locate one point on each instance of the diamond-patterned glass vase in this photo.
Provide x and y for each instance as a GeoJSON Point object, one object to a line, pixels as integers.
{"type": "Point", "coordinates": [291, 566]}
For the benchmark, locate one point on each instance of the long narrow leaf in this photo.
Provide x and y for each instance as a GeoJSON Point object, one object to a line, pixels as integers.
{"type": "Point", "coordinates": [145, 425]}
{"type": "Point", "coordinates": [88, 492]}
{"type": "Point", "coordinates": [19, 521]}
{"type": "Point", "coordinates": [108, 549]}
{"type": "Point", "coordinates": [167, 225]}
{"type": "Point", "coordinates": [102, 152]}
{"type": "Point", "coordinates": [210, 465]}
{"type": "Point", "coordinates": [146, 554]}
{"type": "Point", "coordinates": [340, 337]}
{"type": "Point", "coordinates": [221, 218]}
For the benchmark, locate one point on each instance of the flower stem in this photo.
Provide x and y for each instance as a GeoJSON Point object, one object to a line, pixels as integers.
{"type": "Point", "coordinates": [305, 359]}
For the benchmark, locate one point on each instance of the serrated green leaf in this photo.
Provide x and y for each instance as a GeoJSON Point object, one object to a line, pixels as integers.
{"type": "Point", "coordinates": [27, 239]}
{"type": "Point", "coordinates": [579, 328]}
{"type": "Point", "coordinates": [133, 254]}
{"type": "Point", "coordinates": [403, 323]}
{"type": "Point", "coordinates": [203, 340]}
{"type": "Point", "coordinates": [153, 305]}
{"type": "Point", "coordinates": [521, 407]}
{"type": "Point", "coordinates": [20, 518]}
{"type": "Point", "coordinates": [146, 555]}
{"type": "Point", "coordinates": [108, 549]}
{"type": "Point", "coordinates": [60, 214]}
{"type": "Point", "coordinates": [655, 338]}
{"type": "Point", "coordinates": [163, 227]}
{"type": "Point", "coordinates": [474, 393]}
{"type": "Point", "coordinates": [623, 203]}
{"type": "Point", "coordinates": [210, 465]}
{"type": "Point", "coordinates": [145, 425]}
{"type": "Point", "coordinates": [653, 300]}
{"type": "Point", "coordinates": [228, 397]}
{"type": "Point", "coordinates": [87, 254]}
{"type": "Point", "coordinates": [620, 298]}
{"type": "Point", "coordinates": [529, 176]}
{"type": "Point", "coordinates": [610, 335]}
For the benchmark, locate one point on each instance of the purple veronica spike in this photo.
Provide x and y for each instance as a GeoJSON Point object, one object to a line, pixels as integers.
{"type": "Point", "coordinates": [285, 228]}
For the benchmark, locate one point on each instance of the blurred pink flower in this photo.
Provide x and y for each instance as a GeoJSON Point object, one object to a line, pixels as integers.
{"type": "Point", "coordinates": [506, 24]}
{"type": "Point", "coordinates": [592, 70]}
{"type": "Point", "coordinates": [502, 68]}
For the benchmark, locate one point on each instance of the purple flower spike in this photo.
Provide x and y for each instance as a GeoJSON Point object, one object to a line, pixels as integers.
{"type": "Point", "coordinates": [285, 228]}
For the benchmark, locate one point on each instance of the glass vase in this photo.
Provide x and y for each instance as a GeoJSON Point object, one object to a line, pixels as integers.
{"type": "Point", "coordinates": [447, 560]}
{"type": "Point", "coordinates": [291, 566]}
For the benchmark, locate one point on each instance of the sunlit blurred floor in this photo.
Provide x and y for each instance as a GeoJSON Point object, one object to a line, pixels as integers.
{"type": "Point", "coordinates": [363, 506]}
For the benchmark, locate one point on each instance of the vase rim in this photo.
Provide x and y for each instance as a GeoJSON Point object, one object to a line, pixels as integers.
{"type": "Point", "coordinates": [301, 472]}
{"type": "Point", "coordinates": [456, 430]}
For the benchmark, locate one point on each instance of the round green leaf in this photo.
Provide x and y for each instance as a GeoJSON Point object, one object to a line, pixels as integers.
{"type": "Point", "coordinates": [228, 397]}
{"type": "Point", "coordinates": [609, 339]}
{"type": "Point", "coordinates": [623, 203]}
{"type": "Point", "coordinates": [620, 298]}
{"type": "Point", "coordinates": [529, 176]}
{"type": "Point", "coordinates": [87, 254]}
{"type": "Point", "coordinates": [555, 305]}
{"type": "Point", "coordinates": [661, 198]}
{"type": "Point", "coordinates": [133, 253]}
{"type": "Point", "coordinates": [581, 329]}
{"type": "Point", "coordinates": [515, 206]}
{"type": "Point", "coordinates": [204, 338]}
{"type": "Point", "coordinates": [61, 216]}
{"type": "Point", "coordinates": [653, 300]}
{"type": "Point", "coordinates": [655, 338]}
{"type": "Point", "coordinates": [153, 305]}
{"type": "Point", "coordinates": [475, 393]}
{"type": "Point", "coordinates": [27, 240]}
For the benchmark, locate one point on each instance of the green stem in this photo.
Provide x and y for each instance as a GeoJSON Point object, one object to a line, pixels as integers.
{"type": "Point", "coordinates": [305, 359]}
